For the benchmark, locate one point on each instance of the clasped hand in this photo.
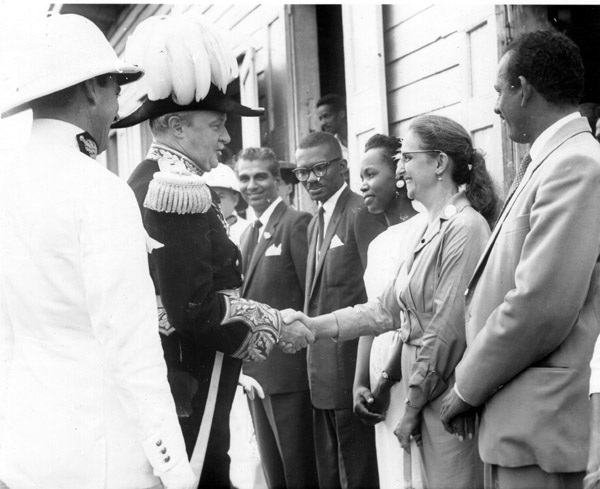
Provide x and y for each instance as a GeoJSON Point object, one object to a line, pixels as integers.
{"type": "Point", "coordinates": [295, 334]}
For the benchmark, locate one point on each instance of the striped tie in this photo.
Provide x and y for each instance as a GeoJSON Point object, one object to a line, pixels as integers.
{"type": "Point", "coordinates": [518, 177]}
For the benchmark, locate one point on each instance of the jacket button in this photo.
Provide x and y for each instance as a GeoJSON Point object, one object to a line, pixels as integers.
{"type": "Point", "coordinates": [164, 450]}
{"type": "Point", "coordinates": [159, 443]}
{"type": "Point", "coordinates": [167, 458]}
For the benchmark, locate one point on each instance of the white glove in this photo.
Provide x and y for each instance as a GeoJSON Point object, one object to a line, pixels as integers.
{"type": "Point", "coordinates": [180, 476]}
{"type": "Point", "coordinates": [251, 387]}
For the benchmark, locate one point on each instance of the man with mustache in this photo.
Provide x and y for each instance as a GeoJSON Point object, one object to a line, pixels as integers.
{"type": "Point", "coordinates": [345, 447]}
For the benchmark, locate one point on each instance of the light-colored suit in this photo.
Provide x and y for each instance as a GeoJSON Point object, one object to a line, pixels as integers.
{"type": "Point", "coordinates": [84, 398]}
{"type": "Point", "coordinates": [533, 310]}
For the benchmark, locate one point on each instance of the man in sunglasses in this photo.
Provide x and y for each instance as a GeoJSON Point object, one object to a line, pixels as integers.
{"type": "Point", "coordinates": [345, 447]}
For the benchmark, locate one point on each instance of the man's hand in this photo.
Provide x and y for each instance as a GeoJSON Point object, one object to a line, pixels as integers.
{"type": "Point", "coordinates": [251, 387]}
{"type": "Point", "coordinates": [409, 427]}
{"type": "Point", "coordinates": [363, 400]}
{"type": "Point", "coordinates": [294, 333]}
{"type": "Point", "coordinates": [458, 417]}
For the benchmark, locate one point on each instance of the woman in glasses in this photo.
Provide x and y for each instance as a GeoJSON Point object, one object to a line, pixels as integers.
{"type": "Point", "coordinates": [447, 175]}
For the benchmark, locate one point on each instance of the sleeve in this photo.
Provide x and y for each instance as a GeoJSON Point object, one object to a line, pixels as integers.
{"type": "Point", "coordinates": [595, 367]}
{"type": "Point", "coordinates": [184, 271]}
{"type": "Point", "coordinates": [7, 341]}
{"type": "Point", "coordinates": [444, 338]}
{"type": "Point", "coordinates": [552, 281]}
{"type": "Point", "coordinates": [299, 247]}
{"type": "Point", "coordinates": [372, 318]}
{"type": "Point", "coordinates": [122, 309]}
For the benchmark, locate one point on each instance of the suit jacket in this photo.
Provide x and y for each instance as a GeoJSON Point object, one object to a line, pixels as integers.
{"type": "Point", "coordinates": [533, 308]}
{"type": "Point", "coordinates": [276, 276]}
{"type": "Point", "coordinates": [84, 399]}
{"type": "Point", "coordinates": [332, 282]}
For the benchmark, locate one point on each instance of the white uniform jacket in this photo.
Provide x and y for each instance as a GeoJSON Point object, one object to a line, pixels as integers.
{"type": "Point", "coordinates": [84, 398]}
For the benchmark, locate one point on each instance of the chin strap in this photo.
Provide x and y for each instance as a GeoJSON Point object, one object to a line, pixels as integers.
{"type": "Point", "coordinates": [264, 325]}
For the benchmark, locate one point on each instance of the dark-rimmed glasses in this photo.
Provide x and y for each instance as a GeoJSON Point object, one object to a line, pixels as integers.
{"type": "Point", "coordinates": [319, 169]}
{"type": "Point", "coordinates": [406, 156]}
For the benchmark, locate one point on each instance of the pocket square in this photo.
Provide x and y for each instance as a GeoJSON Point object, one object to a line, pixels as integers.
{"type": "Point", "coordinates": [335, 242]}
{"type": "Point", "coordinates": [273, 250]}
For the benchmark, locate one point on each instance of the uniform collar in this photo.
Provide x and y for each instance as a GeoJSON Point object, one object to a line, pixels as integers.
{"type": "Point", "coordinates": [171, 160]}
{"type": "Point", "coordinates": [53, 131]}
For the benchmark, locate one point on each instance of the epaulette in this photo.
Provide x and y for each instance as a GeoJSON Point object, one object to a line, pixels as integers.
{"type": "Point", "coordinates": [177, 193]}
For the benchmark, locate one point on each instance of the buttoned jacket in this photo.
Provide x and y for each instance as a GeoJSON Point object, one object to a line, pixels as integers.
{"type": "Point", "coordinates": [84, 398]}
{"type": "Point", "coordinates": [276, 275]}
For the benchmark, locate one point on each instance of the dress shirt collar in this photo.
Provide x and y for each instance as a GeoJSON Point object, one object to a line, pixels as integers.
{"type": "Point", "coordinates": [329, 204]}
{"type": "Point", "coordinates": [264, 218]}
{"type": "Point", "coordinates": [547, 134]}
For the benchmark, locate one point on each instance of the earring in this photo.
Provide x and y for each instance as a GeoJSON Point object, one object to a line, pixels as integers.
{"type": "Point", "coordinates": [396, 194]}
{"type": "Point", "coordinates": [440, 178]}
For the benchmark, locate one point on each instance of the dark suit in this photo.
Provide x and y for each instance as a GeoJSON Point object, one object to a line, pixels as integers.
{"type": "Point", "coordinates": [335, 281]}
{"type": "Point", "coordinates": [275, 275]}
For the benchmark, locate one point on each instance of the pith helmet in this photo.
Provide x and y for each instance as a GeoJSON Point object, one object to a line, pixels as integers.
{"type": "Point", "coordinates": [55, 53]}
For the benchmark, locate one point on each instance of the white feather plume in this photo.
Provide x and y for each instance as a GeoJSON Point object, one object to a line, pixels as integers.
{"type": "Point", "coordinates": [181, 55]}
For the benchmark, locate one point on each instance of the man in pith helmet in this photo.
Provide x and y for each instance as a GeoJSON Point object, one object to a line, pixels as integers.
{"type": "Point", "coordinates": [84, 397]}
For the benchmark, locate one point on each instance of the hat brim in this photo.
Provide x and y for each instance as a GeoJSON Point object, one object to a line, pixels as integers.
{"type": "Point", "coordinates": [214, 100]}
{"type": "Point", "coordinates": [124, 73]}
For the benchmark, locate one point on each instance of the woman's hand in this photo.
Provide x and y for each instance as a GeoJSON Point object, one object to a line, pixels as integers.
{"type": "Point", "coordinates": [409, 427]}
{"type": "Point", "coordinates": [363, 403]}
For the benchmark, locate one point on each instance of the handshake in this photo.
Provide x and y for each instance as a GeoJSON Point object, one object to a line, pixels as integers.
{"type": "Point", "coordinates": [297, 331]}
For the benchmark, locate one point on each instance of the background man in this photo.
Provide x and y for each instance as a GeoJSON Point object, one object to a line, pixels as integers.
{"type": "Point", "coordinates": [331, 112]}
{"type": "Point", "coordinates": [345, 447]}
{"type": "Point", "coordinates": [274, 252]}
{"type": "Point", "coordinates": [533, 303]}
{"type": "Point", "coordinates": [84, 398]}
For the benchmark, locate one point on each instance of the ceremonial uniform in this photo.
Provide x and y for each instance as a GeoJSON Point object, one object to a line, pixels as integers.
{"type": "Point", "coordinates": [205, 330]}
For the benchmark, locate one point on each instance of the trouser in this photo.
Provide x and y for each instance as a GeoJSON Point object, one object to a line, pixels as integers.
{"type": "Point", "coordinates": [530, 477]}
{"type": "Point", "coordinates": [345, 450]}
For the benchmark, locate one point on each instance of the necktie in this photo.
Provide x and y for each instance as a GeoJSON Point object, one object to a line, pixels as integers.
{"type": "Point", "coordinates": [254, 233]}
{"type": "Point", "coordinates": [518, 177]}
{"type": "Point", "coordinates": [321, 227]}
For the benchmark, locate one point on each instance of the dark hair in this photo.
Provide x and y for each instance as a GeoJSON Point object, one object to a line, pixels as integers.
{"type": "Point", "coordinates": [336, 101]}
{"type": "Point", "coordinates": [390, 146]}
{"type": "Point", "coordinates": [551, 62]}
{"type": "Point", "coordinates": [444, 134]}
{"type": "Point", "coordinates": [264, 154]}
{"type": "Point", "coordinates": [320, 138]}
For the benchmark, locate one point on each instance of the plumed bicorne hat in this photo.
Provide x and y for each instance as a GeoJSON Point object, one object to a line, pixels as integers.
{"type": "Point", "coordinates": [188, 64]}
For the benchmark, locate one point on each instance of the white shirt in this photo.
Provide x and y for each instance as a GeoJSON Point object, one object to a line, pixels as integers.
{"type": "Point", "coordinates": [265, 216]}
{"type": "Point", "coordinates": [547, 134]}
{"type": "Point", "coordinates": [329, 206]}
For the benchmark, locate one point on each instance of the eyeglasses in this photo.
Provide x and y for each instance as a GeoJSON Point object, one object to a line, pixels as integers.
{"type": "Point", "coordinates": [319, 169]}
{"type": "Point", "coordinates": [406, 156]}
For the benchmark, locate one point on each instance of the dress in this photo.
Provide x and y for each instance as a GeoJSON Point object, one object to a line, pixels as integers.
{"type": "Point", "coordinates": [84, 399]}
{"type": "Point", "coordinates": [386, 254]}
{"type": "Point", "coordinates": [427, 303]}
{"type": "Point", "coordinates": [205, 329]}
